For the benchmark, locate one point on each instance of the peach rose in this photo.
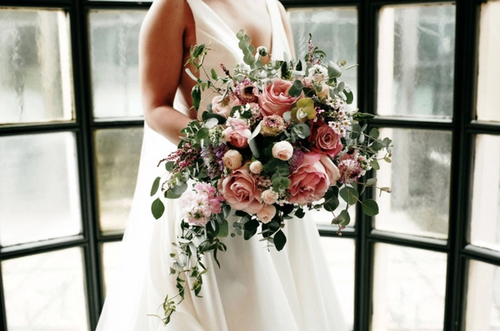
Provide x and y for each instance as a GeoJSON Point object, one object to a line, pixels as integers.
{"type": "Point", "coordinates": [274, 99]}
{"type": "Point", "coordinates": [241, 192]}
{"type": "Point", "coordinates": [331, 169]}
{"type": "Point", "coordinates": [237, 132]}
{"type": "Point", "coordinates": [309, 182]}
{"type": "Point", "coordinates": [282, 150]}
{"type": "Point", "coordinates": [266, 214]}
{"type": "Point", "coordinates": [269, 196]}
{"type": "Point", "coordinates": [256, 167]}
{"type": "Point", "coordinates": [232, 159]}
{"type": "Point", "coordinates": [223, 106]}
{"type": "Point", "coordinates": [326, 141]}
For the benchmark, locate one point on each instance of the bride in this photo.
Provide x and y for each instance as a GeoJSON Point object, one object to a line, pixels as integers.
{"type": "Point", "coordinates": [254, 290]}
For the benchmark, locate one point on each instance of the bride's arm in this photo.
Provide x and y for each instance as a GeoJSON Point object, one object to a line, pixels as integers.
{"type": "Point", "coordinates": [167, 26]}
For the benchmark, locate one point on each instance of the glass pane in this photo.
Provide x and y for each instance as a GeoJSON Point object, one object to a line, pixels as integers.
{"type": "Point", "coordinates": [114, 40]}
{"type": "Point", "coordinates": [419, 177]}
{"type": "Point", "coordinates": [334, 30]}
{"type": "Point", "coordinates": [485, 223]}
{"type": "Point", "coordinates": [488, 84]}
{"type": "Point", "coordinates": [483, 297]}
{"type": "Point", "coordinates": [416, 47]}
{"type": "Point", "coordinates": [340, 258]}
{"type": "Point", "coordinates": [39, 195]}
{"type": "Point", "coordinates": [35, 66]}
{"type": "Point", "coordinates": [46, 292]}
{"type": "Point", "coordinates": [110, 259]}
{"type": "Point", "coordinates": [117, 152]}
{"type": "Point", "coordinates": [408, 289]}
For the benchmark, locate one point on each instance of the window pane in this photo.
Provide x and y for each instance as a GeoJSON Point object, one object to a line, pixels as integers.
{"type": "Point", "coordinates": [35, 66]}
{"type": "Point", "coordinates": [117, 152]}
{"type": "Point", "coordinates": [419, 177]}
{"type": "Point", "coordinates": [416, 47]}
{"type": "Point", "coordinates": [483, 297]}
{"type": "Point", "coordinates": [340, 258]}
{"type": "Point", "coordinates": [408, 289]}
{"type": "Point", "coordinates": [114, 40]}
{"type": "Point", "coordinates": [46, 292]}
{"type": "Point", "coordinates": [334, 30]}
{"type": "Point", "coordinates": [110, 259]}
{"type": "Point", "coordinates": [485, 223]}
{"type": "Point", "coordinates": [488, 85]}
{"type": "Point", "coordinates": [39, 195]}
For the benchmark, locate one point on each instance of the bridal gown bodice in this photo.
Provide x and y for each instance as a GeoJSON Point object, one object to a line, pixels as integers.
{"type": "Point", "coordinates": [255, 289]}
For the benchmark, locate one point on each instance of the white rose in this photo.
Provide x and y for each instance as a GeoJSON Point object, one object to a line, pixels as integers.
{"type": "Point", "coordinates": [232, 159]}
{"type": "Point", "coordinates": [269, 196]}
{"type": "Point", "coordinates": [256, 167]}
{"type": "Point", "coordinates": [266, 214]}
{"type": "Point", "coordinates": [283, 150]}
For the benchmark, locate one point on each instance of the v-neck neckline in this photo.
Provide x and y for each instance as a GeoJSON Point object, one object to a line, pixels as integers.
{"type": "Point", "coordinates": [232, 33]}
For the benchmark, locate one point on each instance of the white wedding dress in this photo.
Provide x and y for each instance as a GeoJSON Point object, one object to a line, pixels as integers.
{"type": "Point", "coordinates": [254, 290]}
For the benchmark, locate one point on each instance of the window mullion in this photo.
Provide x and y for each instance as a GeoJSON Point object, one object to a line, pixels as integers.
{"type": "Point", "coordinates": [83, 112]}
{"type": "Point", "coordinates": [465, 69]}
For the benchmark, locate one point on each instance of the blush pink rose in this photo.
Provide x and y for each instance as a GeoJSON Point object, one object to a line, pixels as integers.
{"type": "Point", "coordinates": [274, 99]}
{"type": "Point", "coordinates": [282, 150]}
{"type": "Point", "coordinates": [237, 132]}
{"type": "Point", "coordinates": [266, 214]}
{"type": "Point", "coordinates": [326, 140]}
{"type": "Point", "coordinates": [232, 159]}
{"type": "Point", "coordinates": [331, 169]}
{"type": "Point", "coordinates": [241, 192]}
{"type": "Point", "coordinates": [223, 106]}
{"type": "Point", "coordinates": [309, 182]}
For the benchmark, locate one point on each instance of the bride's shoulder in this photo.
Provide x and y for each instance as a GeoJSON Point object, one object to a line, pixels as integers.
{"type": "Point", "coordinates": [175, 11]}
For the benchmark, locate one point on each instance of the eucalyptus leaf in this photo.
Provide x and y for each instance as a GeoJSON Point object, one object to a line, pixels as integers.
{"type": "Point", "coordinates": [343, 218]}
{"type": "Point", "coordinates": [296, 89]}
{"type": "Point", "coordinates": [349, 194]}
{"type": "Point", "coordinates": [169, 166]}
{"type": "Point", "coordinates": [349, 97]}
{"type": "Point", "coordinates": [371, 182]}
{"type": "Point", "coordinates": [156, 185]}
{"type": "Point", "coordinates": [279, 240]}
{"type": "Point", "coordinates": [374, 133]}
{"type": "Point", "coordinates": [252, 143]}
{"type": "Point", "coordinates": [196, 95]}
{"type": "Point", "coordinates": [375, 164]}
{"type": "Point", "coordinates": [157, 208]}
{"type": "Point", "coordinates": [369, 207]}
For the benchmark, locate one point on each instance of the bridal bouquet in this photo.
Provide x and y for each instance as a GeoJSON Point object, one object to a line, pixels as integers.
{"type": "Point", "coordinates": [277, 140]}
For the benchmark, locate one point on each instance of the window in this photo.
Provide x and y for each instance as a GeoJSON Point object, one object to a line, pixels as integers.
{"type": "Point", "coordinates": [70, 113]}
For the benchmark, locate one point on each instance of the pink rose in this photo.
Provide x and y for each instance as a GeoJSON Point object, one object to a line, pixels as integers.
{"type": "Point", "coordinates": [241, 192]}
{"type": "Point", "coordinates": [282, 150]}
{"type": "Point", "coordinates": [274, 99]}
{"type": "Point", "coordinates": [232, 159]}
{"type": "Point", "coordinates": [326, 140]}
{"type": "Point", "coordinates": [331, 169]}
{"type": "Point", "coordinates": [309, 182]}
{"type": "Point", "coordinates": [237, 132]}
{"type": "Point", "coordinates": [266, 214]}
{"type": "Point", "coordinates": [223, 106]}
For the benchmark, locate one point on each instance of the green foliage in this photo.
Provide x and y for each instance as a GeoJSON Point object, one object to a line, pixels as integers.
{"type": "Point", "coordinates": [157, 208]}
{"type": "Point", "coordinates": [156, 185]}
{"type": "Point", "coordinates": [349, 194]}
